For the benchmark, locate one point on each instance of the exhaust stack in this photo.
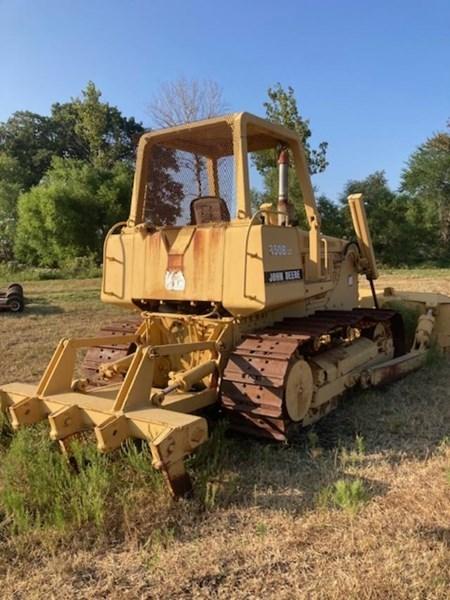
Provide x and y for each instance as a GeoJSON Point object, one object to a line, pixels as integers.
{"type": "Point", "coordinates": [283, 183]}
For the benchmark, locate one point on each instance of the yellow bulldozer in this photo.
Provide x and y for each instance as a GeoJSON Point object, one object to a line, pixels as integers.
{"type": "Point", "coordinates": [230, 305]}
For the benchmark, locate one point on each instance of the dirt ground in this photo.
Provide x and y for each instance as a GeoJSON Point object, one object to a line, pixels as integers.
{"type": "Point", "coordinates": [268, 533]}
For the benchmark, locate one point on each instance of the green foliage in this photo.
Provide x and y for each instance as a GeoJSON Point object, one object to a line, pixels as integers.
{"type": "Point", "coordinates": [392, 233]}
{"type": "Point", "coordinates": [68, 215]}
{"type": "Point", "coordinates": [409, 316]}
{"type": "Point", "coordinates": [28, 138]}
{"type": "Point", "coordinates": [42, 490]}
{"type": "Point", "coordinates": [139, 458]}
{"type": "Point", "coordinates": [356, 454]}
{"type": "Point", "coordinates": [94, 131]}
{"type": "Point", "coordinates": [208, 465]}
{"type": "Point", "coordinates": [75, 167]}
{"type": "Point", "coordinates": [281, 107]}
{"type": "Point", "coordinates": [84, 129]}
{"type": "Point", "coordinates": [261, 529]}
{"type": "Point", "coordinates": [332, 217]}
{"type": "Point", "coordinates": [10, 188]}
{"type": "Point", "coordinates": [402, 233]}
{"type": "Point", "coordinates": [80, 267]}
{"type": "Point", "coordinates": [360, 445]}
{"type": "Point", "coordinates": [427, 180]}
{"type": "Point", "coordinates": [344, 494]}
{"type": "Point", "coordinates": [6, 431]}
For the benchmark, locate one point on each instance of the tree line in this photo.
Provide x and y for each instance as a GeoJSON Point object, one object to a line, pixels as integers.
{"type": "Point", "coordinates": [409, 226]}
{"type": "Point", "coordinates": [66, 178]}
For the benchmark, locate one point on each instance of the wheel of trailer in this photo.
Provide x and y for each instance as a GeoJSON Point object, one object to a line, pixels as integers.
{"type": "Point", "coordinates": [14, 288]}
{"type": "Point", "coordinates": [299, 390]}
{"type": "Point", "coordinates": [15, 303]}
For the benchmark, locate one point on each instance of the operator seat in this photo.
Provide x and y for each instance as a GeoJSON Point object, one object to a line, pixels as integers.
{"type": "Point", "coordinates": [208, 209]}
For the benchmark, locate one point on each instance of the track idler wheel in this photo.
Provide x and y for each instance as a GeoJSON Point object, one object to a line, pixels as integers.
{"type": "Point", "coordinates": [299, 390]}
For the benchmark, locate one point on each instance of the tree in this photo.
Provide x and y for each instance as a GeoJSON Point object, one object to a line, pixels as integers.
{"type": "Point", "coordinates": [164, 195]}
{"type": "Point", "coordinates": [332, 217]}
{"type": "Point", "coordinates": [95, 145]}
{"type": "Point", "coordinates": [10, 188]}
{"type": "Point", "coordinates": [186, 100]}
{"type": "Point", "coordinates": [84, 128]}
{"type": "Point", "coordinates": [427, 180]}
{"type": "Point", "coordinates": [69, 213]}
{"type": "Point", "coordinates": [281, 107]}
{"type": "Point", "coordinates": [28, 138]}
{"type": "Point", "coordinates": [103, 134]}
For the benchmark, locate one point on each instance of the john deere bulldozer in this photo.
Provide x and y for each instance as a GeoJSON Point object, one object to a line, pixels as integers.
{"type": "Point", "coordinates": [229, 305]}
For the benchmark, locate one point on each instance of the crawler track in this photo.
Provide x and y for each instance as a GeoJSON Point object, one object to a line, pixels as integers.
{"type": "Point", "coordinates": [103, 354]}
{"type": "Point", "coordinates": [253, 383]}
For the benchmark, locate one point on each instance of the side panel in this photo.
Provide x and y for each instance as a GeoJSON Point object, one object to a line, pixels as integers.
{"type": "Point", "coordinates": [246, 267]}
{"type": "Point", "coordinates": [243, 273]}
{"type": "Point", "coordinates": [181, 264]}
{"type": "Point", "coordinates": [168, 264]}
{"type": "Point", "coordinates": [117, 269]}
{"type": "Point", "coordinates": [284, 272]}
{"type": "Point", "coordinates": [263, 268]}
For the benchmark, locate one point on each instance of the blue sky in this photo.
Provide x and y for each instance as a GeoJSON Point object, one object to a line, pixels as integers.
{"type": "Point", "coordinates": [372, 77]}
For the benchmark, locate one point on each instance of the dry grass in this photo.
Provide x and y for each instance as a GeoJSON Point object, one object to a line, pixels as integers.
{"type": "Point", "coordinates": [54, 309]}
{"type": "Point", "coordinates": [264, 530]}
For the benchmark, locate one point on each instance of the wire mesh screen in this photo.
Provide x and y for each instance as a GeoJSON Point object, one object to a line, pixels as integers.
{"type": "Point", "coordinates": [264, 183]}
{"type": "Point", "coordinates": [177, 177]}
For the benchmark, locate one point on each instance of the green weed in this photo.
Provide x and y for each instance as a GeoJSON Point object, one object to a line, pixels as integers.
{"type": "Point", "coordinates": [345, 495]}
{"type": "Point", "coordinates": [313, 443]}
{"type": "Point", "coordinates": [409, 316]}
{"type": "Point", "coordinates": [261, 529]}
{"type": "Point", "coordinates": [208, 466]}
{"type": "Point", "coordinates": [139, 458]}
{"type": "Point", "coordinates": [41, 489]}
{"type": "Point", "coordinates": [445, 442]}
{"type": "Point", "coordinates": [6, 431]}
{"type": "Point", "coordinates": [356, 454]}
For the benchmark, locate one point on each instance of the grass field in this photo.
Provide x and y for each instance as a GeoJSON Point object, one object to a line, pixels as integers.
{"type": "Point", "coordinates": [359, 507]}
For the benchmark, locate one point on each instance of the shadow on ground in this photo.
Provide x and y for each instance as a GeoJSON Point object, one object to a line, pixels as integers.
{"type": "Point", "coordinates": [375, 429]}
{"type": "Point", "coordinates": [39, 305]}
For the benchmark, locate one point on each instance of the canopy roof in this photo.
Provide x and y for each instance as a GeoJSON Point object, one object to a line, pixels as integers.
{"type": "Point", "coordinates": [214, 137]}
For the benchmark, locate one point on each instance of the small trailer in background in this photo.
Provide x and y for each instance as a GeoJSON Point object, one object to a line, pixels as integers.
{"type": "Point", "coordinates": [12, 300]}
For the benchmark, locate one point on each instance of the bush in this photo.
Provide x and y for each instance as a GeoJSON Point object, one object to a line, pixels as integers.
{"type": "Point", "coordinates": [68, 214]}
{"type": "Point", "coordinates": [77, 268]}
{"type": "Point", "coordinates": [81, 266]}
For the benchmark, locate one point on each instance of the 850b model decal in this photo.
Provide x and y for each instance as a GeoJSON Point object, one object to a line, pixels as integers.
{"type": "Point", "coordinates": [283, 276]}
